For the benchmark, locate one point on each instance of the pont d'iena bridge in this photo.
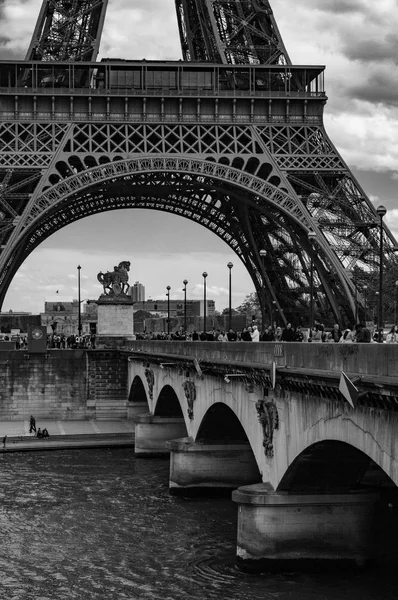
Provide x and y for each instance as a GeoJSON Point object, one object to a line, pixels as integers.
{"type": "Point", "coordinates": [270, 421]}
{"type": "Point", "coordinates": [231, 137]}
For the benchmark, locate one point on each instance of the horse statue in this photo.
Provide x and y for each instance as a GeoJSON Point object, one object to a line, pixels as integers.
{"type": "Point", "coordinates": [116, 281]}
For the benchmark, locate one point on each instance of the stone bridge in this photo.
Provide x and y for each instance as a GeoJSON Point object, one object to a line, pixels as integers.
{"type": "Point", "coordinates": [269, 419]}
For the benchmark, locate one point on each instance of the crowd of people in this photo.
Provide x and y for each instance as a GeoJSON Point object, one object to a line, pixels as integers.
{"type": "Point", "coordinates": [71, 342]}
{"type": "Point", "coordinates": [290, 333]}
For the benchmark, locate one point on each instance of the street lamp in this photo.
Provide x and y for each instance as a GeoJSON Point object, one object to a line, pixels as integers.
{"type": "Point", "coordinates": [263, 254]}
{"type": "Point", "coordinates": [396, 302]}
{"type": "Point", "coordinates": [365, 289]}
{"type": "Point", "coordinates": [168, 288]}
{"type": "Point", "coordinates": [204, 275]}
{"type": "Point", "coordinates": [311, 236]}
{"type": "Point", "coordinates": [185, 282]}
{"type": "Point", "coordinates": [381, 211]}
{"type": "Point", "coordinates": [230, 265]}
{"type": "Point", "coordinates": [79, 316]}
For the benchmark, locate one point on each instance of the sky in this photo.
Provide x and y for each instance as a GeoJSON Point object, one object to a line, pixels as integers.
{"type": "Point", "coordinates": [356, 40]}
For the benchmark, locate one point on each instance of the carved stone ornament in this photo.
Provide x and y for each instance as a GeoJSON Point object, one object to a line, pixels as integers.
{"type": "Point", "coordinates": [267, 414]}
{"type": "Point", "coordinates": [150, 377]}
{"type": "Point", "coordinates": [190, 394]}
{"type": "Point", "coordinates": [115, 282]}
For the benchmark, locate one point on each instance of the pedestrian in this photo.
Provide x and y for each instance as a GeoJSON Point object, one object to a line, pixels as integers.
{"type": "Point", "coordinates": [32, 424]}
{"type": "Point", "coordinates": [336, 333]}
{"type": "Point", "coordinates": [392, 335]}
{"type": "Point", "coordinates": [298, 335]}
{"type": "Point", "coordinates": [4, 442]}
{"type": "Point", "coordinates": [255, 334]}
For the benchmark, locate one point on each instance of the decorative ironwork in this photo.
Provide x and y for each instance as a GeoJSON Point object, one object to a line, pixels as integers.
{"type": "Point", "coordinates": [236, 145]}
{"type": "Point", "coordinates": [267, 414]}
{"type": "Point", "coordinates": [190, 394]}
{"type": "Point", "coordinates": [150, 378]}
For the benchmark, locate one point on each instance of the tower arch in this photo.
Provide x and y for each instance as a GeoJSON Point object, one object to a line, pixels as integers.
{"type": "Point", "coordinates": [241, 208]}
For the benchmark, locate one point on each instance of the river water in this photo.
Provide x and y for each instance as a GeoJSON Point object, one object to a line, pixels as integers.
{"type": "Point", "coordinates": [101, 524]}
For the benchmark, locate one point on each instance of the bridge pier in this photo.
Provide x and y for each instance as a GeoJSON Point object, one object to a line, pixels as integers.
{"type": "Point", "coordinates": [284, 531]}
{"type": "Point", "coordinates": [152, 433]}
{"type": "Point", "coordinates": [210, 465]}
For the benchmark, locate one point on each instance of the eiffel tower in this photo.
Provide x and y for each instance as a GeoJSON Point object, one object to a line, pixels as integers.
{"type": "Point", "coordinates": [231, 137]}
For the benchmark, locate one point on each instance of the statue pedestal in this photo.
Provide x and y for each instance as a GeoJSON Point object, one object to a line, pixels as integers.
{"type": "Point", "coordinates": [115, 317]}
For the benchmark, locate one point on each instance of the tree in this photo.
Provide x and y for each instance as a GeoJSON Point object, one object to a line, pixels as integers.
{"type": "Point", "coordinates": [250, 306]}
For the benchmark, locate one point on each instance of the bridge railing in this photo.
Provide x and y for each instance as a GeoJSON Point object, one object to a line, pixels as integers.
{"type": "Point", "coordinates": [371, 360]}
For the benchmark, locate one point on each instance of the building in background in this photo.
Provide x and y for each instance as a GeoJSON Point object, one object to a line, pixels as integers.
{"type": "Point", "coordinates": [61, 316]}
{"type": "Point", "coordinates": [195, 308]}
{"type": "Point", "coordinates": [137, 292]}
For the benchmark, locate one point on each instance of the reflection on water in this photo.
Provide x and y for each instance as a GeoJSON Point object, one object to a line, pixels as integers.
{"type": "Point", "coordinates": [101, 524]}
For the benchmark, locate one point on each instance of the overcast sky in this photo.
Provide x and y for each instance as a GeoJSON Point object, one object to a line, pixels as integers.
{"type": "Point", "coordinates": [357, 40]}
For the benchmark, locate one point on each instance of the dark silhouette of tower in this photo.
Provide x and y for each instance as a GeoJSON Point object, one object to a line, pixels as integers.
{"type": "Point", "coordinates": [232, 137]}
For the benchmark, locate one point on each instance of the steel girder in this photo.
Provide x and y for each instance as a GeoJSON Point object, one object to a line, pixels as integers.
{"type": "Point", "coordinates": [68, 30]}
{"type": "Point", "coordinates": [235, 32]}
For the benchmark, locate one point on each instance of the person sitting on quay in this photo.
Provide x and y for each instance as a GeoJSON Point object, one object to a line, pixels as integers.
{"type": "Point", "coordinates": [39, 433]}
{"type": "Point", "coordinates": [45, 433]}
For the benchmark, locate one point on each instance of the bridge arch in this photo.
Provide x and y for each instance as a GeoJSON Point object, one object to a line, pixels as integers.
{"type": "Point", "coordinates": [332, 466]}
{"type": "Point", "coordinates": [351, 431]}
{"type": "Point", "coordinates": [245, 211]}
{"type": "Point", "coordinates": [137, 393]}
{"type": "Point", "coordinates": [168, 403]}
{"type": "Point", "coordinates": [220, 423]}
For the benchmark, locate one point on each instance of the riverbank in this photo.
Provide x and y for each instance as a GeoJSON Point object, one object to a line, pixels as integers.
{"type": "Point", "coordinates": [66, 434]}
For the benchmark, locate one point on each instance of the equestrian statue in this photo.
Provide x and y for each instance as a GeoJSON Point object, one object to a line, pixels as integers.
{"type": "Point", "coordinates": [115, 282]}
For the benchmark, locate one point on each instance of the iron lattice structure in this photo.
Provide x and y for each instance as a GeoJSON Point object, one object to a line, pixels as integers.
{"type": "Point", "coordinates": [235, 143]}
{"type": "Point", "coordinates": [68, 30]}
{"type": "Point", "coordinates": [237, 32]}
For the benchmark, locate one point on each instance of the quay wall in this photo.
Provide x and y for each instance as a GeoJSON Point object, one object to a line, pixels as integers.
{"type": "Point", "coordinates": [63, 384]}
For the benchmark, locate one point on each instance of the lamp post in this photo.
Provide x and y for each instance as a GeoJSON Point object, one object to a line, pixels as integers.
{"type": "Point", "coordinates": [230, 265]}
{"type": "Point", "coordinates": [311, 236]}
{"type": "Point", "coordinates": [263, 254]}
{"type": "Point", "coordinates": [365, 289]}
{"type": "Point", "coordinates": [204, 275]}
{"type": "Point", "coordinates": [185, 282]}
{"type": "Point", "coordinates": [381, 211]}
{"type": "Point", "coordinates": [396, 302]}
{"type": "Point", "coordinates": [79, 316]}
{"type": "Point", "coordinates": [168, 288]}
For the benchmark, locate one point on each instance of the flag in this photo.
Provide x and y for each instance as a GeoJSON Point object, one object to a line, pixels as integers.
{"type": "Point", "coordinates": [272, 375]}
{"type": "Point", "coordinates": [348, 389]}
